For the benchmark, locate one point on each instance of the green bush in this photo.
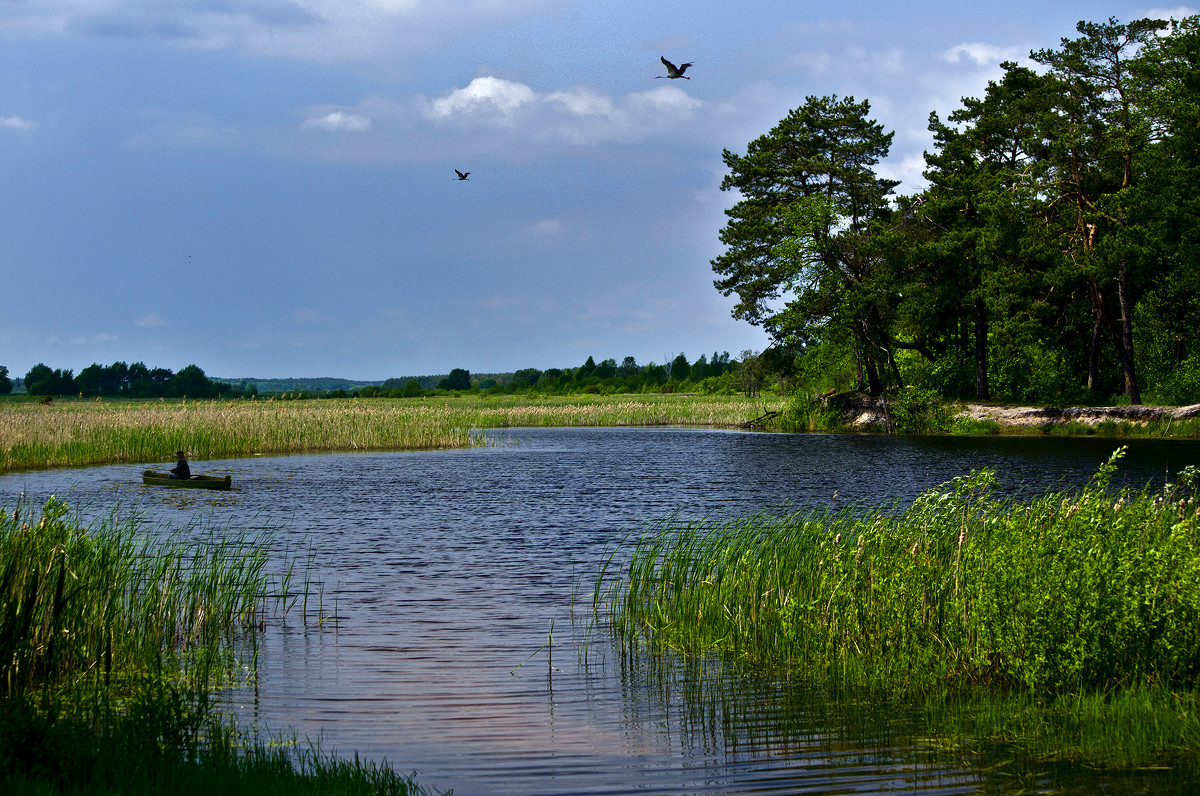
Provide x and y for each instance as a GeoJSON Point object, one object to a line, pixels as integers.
{"type": "Point", "coordinates": [915, 410]}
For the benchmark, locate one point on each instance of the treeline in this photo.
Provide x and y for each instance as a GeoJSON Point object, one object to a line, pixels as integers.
{"type": "Point", "coordinates": [119, 379]}
{"type": "Point", "coordinates": [1053, 258]}
{"type": "Point", "coordinates": [718, 374]}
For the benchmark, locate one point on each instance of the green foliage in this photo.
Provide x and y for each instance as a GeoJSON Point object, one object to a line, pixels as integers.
{"type": "Point", "coordinates": [1052, 259]}
{"type": "Point", "coordinates": [1038, 375]}
{"type": "Point", "coordinates": [1068, 593]}
{"type": "Point", "coordinates": [803, 412]}
{"type": "Point", "coordinates": [951, 376]}
{"type": "Point", "coordinates": [119, 379]}
{"type": "Point", "coordinates": [914, 410]}
{"type": "Point", "coordinates": [41, 380]}
{"type": "Point", "coordinates": [799, 255]}
{"type": "Point", "coordinates": [459, 379]}
{"type": "Point", "coordinates": [6, 385]}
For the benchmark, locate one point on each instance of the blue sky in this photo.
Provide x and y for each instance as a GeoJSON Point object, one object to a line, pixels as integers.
{"type": "Point", "coordinates": [266, 187]}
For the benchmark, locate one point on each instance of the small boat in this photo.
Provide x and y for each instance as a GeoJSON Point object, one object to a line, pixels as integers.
{"type": "Point", "coordinates": [195, 482]}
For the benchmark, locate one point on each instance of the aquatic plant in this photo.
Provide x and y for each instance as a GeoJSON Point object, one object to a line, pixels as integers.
{"type": "Point", "coordinates": [112, 640]}
{"type": "Point", "coordinates": [1069, 594]}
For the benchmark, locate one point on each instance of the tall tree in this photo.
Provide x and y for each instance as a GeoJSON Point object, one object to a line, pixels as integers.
{"type": "Point", "coordinates": [977, 275]}
{"type": "Point", "coordinates": [1167, 83]}
{"type": "Point", "coordinates": [1104, 132]}
{"type": "Point", "coordinates": [798, 254]}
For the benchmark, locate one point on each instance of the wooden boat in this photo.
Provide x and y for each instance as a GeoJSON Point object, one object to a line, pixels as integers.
{"type": "Point", "coordinates": [195, 482]}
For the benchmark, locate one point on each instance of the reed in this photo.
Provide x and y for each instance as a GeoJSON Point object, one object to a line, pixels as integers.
{"type": "Point", "coordinates": [115, 602]}
{"type": "Point", "coordinates": [1064, 596]}
{"type": "Point", "coordinates": [112, 640]}
{"type": "Point", "coordinates": [71, 433]}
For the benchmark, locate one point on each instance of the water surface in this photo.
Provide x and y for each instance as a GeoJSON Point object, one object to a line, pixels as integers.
{"type": "Point", "coordinates": [460, 579]}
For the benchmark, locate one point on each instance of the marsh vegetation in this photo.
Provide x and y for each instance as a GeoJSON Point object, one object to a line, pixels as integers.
{"type": "Point", "coordinates": [75, 433]}
{"type": "Point", "coordinates": [113, 641]}
{"type": "Point", "coordinates": [1066, 627]}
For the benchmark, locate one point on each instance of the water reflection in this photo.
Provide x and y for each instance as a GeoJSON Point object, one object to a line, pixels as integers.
{"type": "Point", "coordinates": [450, 570]}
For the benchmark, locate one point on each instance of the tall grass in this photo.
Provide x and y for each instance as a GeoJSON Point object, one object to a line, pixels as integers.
{"type": "Point", "coordinates": [112, 639]}
{"type": "Point", "coordinates": [70, 433]}
{"type": "Point", "coordinates": [1065, 596]}
{"type": "Point", "coordinates": [89, 604]}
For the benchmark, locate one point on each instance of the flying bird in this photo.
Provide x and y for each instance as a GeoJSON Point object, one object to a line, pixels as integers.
{"type": "Point", "coordinates": [461, 175]}
{"type": "Point", "coordinates": [674, 71]}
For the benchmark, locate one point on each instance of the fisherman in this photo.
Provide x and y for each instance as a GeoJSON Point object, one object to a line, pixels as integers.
{"type": "Point", "coordinates": [181, 469]}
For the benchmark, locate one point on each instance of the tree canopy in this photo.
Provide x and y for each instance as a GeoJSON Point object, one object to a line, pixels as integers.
{"type": "Point", "coordinates": [1052, 256]}
{"type": "Point", "coordinates": [133, 381]}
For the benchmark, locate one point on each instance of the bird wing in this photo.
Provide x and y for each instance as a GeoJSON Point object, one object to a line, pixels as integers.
{"type": "Point", "coordinates": [670, 66]}
{"type": "Point", "coordinates": [461, 176]}
{"type": "Point", "coordinates": [683, 68]}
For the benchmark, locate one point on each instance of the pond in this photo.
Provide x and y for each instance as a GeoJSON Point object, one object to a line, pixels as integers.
{"type": "Point", "coordinates": [463, 650]}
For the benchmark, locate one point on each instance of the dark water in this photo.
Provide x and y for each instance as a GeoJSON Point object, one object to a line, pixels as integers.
{"type": "Point", "coordinates": [461, 584]}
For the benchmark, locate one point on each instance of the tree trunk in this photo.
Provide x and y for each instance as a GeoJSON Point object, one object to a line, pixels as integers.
{"type": "Point", "coordinates": [982, 389]}
{"type": "Point", "coordinates": [1094, 353]}
{"type": "Point", "coordinates": [874, 385]}
{"type": "Point", "coordinates": [1125, 345]}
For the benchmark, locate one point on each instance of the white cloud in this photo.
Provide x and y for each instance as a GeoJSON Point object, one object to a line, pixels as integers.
{"type": "Point", "coordinates": [909, 170]}
{"type": "Point", "coordinates": [578, 115]}
{"type": "Point", "coordinates": [981, 53]}
{"type": "Point", "coordinates": [583, 102]}
{"type": "Point", "coordinates": [337, 121]}
{"type": "Point", "coordinates": [16, 123]}
{"type": "Point", "coordinates": [809, 62]}
{"type": "Point", "coordinates": [1178, 12]}
{"type": "Point", "coordinates": [312, 30]}
{"type": "Point", "coordinates": [151, 321]}
{"type": "Point", "coordinates": [886, 61]}
{"type": "Point", "coordinates": [483, 98]}
{"type": "Point", "coordinates": [546, 227]}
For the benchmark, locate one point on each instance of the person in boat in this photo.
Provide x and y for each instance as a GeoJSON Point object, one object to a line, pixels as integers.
{"type": "Point", "coordinates": [181, 470]}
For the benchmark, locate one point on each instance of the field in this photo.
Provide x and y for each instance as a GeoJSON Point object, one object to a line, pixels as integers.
{"type": "Point", "coordinates": [79, 433]}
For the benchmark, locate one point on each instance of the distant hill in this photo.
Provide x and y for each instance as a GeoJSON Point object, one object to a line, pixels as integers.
{"type": "Point", "coordinates": [327, 383]}
{"type": "Point", "coordinates": [318, 384]}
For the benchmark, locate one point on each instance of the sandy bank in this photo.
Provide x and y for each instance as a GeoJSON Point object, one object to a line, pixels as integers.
{"type": "Point", "coordinates": [863, 411]}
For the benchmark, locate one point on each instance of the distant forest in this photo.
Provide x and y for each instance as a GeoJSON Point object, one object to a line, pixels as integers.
{"type": "Point", "coordinates": [118, 379]}
{"type": "Point", "coordinates": [715, 374]}
{"type": "Point", "coordinates": [718, 374]}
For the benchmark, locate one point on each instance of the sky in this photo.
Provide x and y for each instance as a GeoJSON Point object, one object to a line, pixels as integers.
{"type": "Point", "coordinates": [266, 188]}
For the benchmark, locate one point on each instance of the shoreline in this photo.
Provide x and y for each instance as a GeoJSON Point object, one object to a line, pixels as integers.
{"type": "Point", "coordinates": [863, 412]}
{"type": "Point", "coordinates": [1027, 416]}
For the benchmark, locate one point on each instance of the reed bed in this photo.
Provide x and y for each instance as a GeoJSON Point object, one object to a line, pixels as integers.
{"type": "Point", "coordinates": [1065, 596]}
{"type": "Point", "coordinates": [80, 433]}
{"type": "Point", "coordinates": [112, 640]}
{"type": "Point", "coordinates": [616, 410]}
{"type": "Point", "coordinates": [82, 605]}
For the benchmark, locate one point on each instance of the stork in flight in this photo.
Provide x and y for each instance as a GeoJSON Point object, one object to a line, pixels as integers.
{"type": "Point", "coordinates": [461, 175]}
{"type": "Point", "coordinates": [673, 71]}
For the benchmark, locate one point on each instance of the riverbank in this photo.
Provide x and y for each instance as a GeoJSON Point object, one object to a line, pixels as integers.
{"type": "Point", "coordinates": [862, 412]}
